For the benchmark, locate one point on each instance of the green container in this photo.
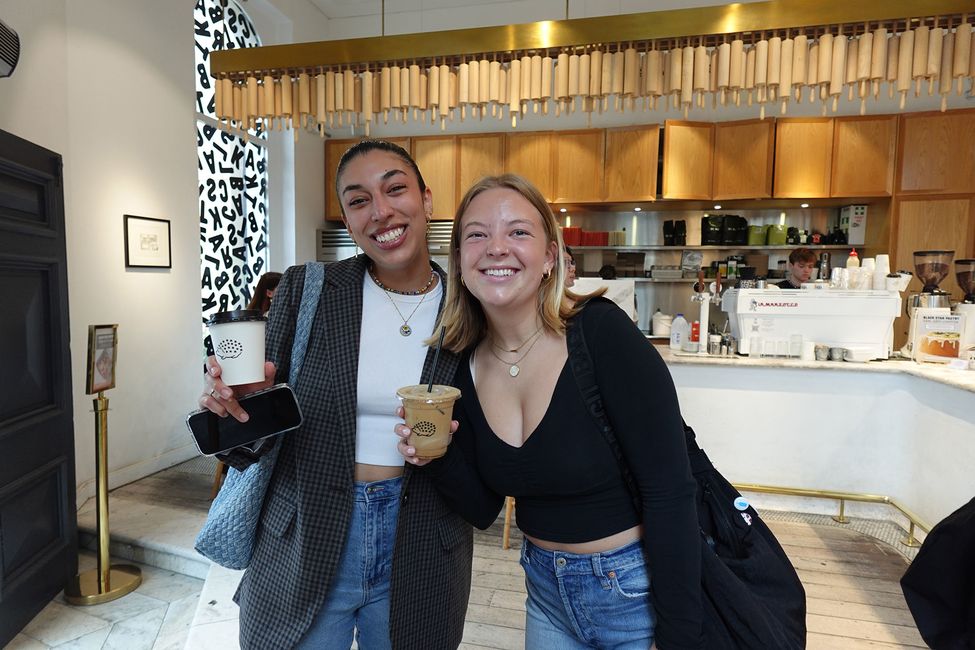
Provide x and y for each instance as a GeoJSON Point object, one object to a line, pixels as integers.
{"type": "Point", "coordinates": [757, 235]}
{"type": "Point", "coordinates": [776, 235]}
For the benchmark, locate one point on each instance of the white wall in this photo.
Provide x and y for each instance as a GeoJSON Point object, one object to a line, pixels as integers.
{"type": "Point", "coordinates": [109, 84]}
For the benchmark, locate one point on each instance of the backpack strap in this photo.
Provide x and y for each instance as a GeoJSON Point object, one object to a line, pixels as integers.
{"type": "Point", "coordinates": [310, 297]}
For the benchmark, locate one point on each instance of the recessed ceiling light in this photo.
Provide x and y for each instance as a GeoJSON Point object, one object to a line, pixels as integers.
{"type": "Point", "coordinates": [803, 205]}
{"type": "Point", "coordinates": [637, 209]}
{"type": "Point", "coordinates": [562, 210]}
{"type": "Point", "coordinates": [717, 207]}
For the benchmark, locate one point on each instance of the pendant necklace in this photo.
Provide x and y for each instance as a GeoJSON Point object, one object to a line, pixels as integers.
{"type": "Point", "coordinates": [513, 368]}
{"type": "Point", "coordinates": [515, 349]}
{"type": "Point", "coordinates": [404, 329]}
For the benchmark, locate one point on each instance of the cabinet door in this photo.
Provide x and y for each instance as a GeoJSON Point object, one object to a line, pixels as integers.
{"type": "Point", "coordinates": [743, 153]}
{"type": "Point", "coordinates": [931, 224]}
{"type": "Point", "coordinates": [687, 159]}
{"type": "Point", "coordinates": [632, 154]}
{"type": "Point", "coordinates": [803, 157]}
{"type": "Point", "coordinates": [579, 166]}
{"type": "Point", "coordinates": [530, 155]}
{"type": "Point", "coordinates": [437, 159]}
{"type": "Point", "coordinates": [478, 155]}
{"type": "Point", "coordinates": [863, 156]}
{"type": "Point", "coordinates": [333, 153]}
{"type": "Point", "coordinates": [938, 154]}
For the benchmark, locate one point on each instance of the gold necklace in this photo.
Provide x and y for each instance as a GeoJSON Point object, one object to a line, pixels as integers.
{"type": "Point", "coordinates": [417, 292]}
{"type": "Point", "coordinates": [405, 328]}
{"type": "Point", "coordinates": [513, 368]}
{"type": "Point", "coordinates": [515, 349]}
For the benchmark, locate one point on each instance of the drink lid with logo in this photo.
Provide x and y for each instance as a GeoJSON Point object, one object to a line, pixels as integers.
{"type": "Point", "coordinates": [236, 316]}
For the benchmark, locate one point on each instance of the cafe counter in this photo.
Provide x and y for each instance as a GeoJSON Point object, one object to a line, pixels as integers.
{"type": "Point", "coordinates": [891, 428]}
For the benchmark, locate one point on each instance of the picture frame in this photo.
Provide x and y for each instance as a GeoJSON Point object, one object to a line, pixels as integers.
{"type": "Point", "coordinates": [102, 355]}
{"type": "Point", "coordinates": [147, 242]}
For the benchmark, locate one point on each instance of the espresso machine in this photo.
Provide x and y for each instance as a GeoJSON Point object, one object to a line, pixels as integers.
{"type": "Point", "coordinates": [930, 267]}
{"type": "Point", "coordinates": [965, 274]}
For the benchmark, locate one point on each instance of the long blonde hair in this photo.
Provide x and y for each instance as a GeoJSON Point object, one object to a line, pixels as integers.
{"type": "Point", "coordinates": [462, 315]}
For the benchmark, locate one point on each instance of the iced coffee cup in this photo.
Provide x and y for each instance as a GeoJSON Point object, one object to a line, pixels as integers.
{"type": "Point", "coordinates": [428, 415]}
{"type": "Point", "coordinates": [238, 343]}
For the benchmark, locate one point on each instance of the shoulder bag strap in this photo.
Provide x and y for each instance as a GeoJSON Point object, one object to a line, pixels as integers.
{"type": "Point", "coordinates": [310, 295]}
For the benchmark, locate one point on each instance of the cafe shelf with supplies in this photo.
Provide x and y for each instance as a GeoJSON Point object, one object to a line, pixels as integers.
{"type": "Point", "coordinates": [727, 247]}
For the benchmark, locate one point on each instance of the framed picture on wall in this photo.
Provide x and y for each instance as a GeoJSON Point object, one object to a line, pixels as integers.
{"type": "Point", "coordinates": [102, 348]}
{"type": "Point", "coordinates": [147, 242]}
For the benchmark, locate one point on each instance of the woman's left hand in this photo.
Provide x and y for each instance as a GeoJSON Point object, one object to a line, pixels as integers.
{"type": "Point", "coordinates": [404, 447]}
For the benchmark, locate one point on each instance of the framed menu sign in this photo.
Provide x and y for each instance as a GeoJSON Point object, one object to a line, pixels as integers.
{"type": "Point", "coordinates": [937, 335]}
{"type": "Point", "coordinates": [102, 348]}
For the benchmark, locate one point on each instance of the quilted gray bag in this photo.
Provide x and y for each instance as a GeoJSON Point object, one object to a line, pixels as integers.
{"type": "Point", "coordinates": [227, 536]}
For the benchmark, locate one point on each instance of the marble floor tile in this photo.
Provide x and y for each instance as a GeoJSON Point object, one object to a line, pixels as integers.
{"type": "Point", "coordinates": [221, 634]}
{"type": "Point", "coordinates": [128, 606]}
{"type": "Point", "coordinates": [24, 642]}
{"type": "Point", "coordinates": [216, 601]}
{"type": "Point", "coordinates": [176, 625]}
{"type": "Point", "coordinates": [92, 641]}
{"type": "Point", "coordinates": [59, 623]}
{"type": "Point", "coordinates": [137, 633]}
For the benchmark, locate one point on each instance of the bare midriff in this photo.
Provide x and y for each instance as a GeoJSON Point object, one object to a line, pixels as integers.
{"type": "Point", "coordinates": [601, 545]}
{"type": "Point", "coordinates": [369, 473]}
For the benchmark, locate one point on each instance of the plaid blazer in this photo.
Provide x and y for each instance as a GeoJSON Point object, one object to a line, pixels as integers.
{"type": "Point", "coordinates": [308, 505]}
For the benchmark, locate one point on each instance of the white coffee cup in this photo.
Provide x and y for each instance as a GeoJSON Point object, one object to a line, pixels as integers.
{"type": "Point", "coordinates": [808, 351]}
{"type": "Point", "coordinates": [238, 343]}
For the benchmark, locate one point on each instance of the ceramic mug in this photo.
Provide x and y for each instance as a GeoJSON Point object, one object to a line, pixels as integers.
{"type": "Point", "coordinates": [822, 352]}
{"type": "Point", "coordinates": [837, 354]}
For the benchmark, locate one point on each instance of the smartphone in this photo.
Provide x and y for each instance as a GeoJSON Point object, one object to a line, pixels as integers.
{"type": "Point", "coordinates": [272, 411]}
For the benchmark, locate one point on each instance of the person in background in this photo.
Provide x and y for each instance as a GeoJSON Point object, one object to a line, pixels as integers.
{"type": "Point", "coordinates": [570, 268]}
{"type": "Point", "coordinates": [348, 543]}
{"type": "Point", "coordinates": [264, 291]}
{"type": "Point", "coordinates": [802, 262]}
{"type": "Point", "coordinates": [523, 430]}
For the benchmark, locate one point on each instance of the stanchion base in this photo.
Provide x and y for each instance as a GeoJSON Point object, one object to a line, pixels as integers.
{"type": "Point", "coordinates": [83, 588]}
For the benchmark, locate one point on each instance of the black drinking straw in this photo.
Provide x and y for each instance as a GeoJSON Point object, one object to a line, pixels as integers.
{"type": "Point", "coordinates": [436, 358]}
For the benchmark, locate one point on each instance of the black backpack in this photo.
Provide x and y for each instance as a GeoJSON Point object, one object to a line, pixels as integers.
{"type": "Point", "coordinates": [752, 596]}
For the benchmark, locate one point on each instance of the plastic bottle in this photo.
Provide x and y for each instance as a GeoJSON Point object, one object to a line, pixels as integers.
{"type": "Point", "coordinates": [692, 342]}
{"type": "Point", "coordinates": [853, 261]}
{"type": "Point", "coordinates": [679, 330]}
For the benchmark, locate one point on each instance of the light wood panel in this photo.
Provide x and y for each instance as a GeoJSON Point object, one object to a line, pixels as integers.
{"type": "Point", "coordinates": [743, 153]}
{"type": "Point", "coordinates": [863, 155]}
{"type": "Point", "coordinates": [333, 153]}
{"type": "Point", "coordinates": [632, 154]}
{"type": "Point", "coordinates": [478, 156]}
{"type": "Point", "coordinates": [436, 157]}
{"type": "Point", "coordinates": [803, 157]}
{"type": "Point", "coordinates": [688, 150]}
{"type": "Point", "coordinates": [578, 165]}
{"type": "Point", "coordinates": [931, 224]}
{"type": "Point", "coordinates": [937, 153]}
{"type": "Point", "coordinates": [531, 155]}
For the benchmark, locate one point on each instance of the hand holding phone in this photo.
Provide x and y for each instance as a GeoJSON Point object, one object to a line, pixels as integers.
{"type": "Point", "coordinates": [272, 411]}
{"type": "Point", "coordinates": [221, 398]}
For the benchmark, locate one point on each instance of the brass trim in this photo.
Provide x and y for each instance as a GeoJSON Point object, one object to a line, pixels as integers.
{"type": "Point", "coordinates": [915, 521]}
{"type": "Point", "coordinates": [677, 23]}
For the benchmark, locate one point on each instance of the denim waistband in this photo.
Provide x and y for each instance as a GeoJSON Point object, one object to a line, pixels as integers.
{"type": "Point", "coordinates": [378, 490]}
{"type": "Point", "coordinates": [562, 563]}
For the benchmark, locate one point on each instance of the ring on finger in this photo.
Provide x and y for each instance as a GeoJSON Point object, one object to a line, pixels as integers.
{"type": "Point", "coordinates": [213, 392]}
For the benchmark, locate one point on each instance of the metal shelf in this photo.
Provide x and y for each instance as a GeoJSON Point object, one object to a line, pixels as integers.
{"type": "Point", "coordinates": [641, 249]}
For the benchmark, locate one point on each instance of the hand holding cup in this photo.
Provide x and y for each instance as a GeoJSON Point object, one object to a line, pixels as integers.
{"type": "Point", "coordinates": [407, 450]}
{"type": "Point", "coordinates": [221, 399]}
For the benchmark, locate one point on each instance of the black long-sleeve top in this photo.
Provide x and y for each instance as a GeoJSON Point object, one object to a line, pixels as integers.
{"type": "Point", "coordinates": [567, 483]}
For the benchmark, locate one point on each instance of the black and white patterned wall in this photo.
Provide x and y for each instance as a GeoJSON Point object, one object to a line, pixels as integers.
{"type": "Point", "coordinates": [232, 173]}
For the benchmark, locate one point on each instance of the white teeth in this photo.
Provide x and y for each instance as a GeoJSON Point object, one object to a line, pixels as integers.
{"type": "Point", "coordinates": [499, 272]}
{"type": "Point", "coordinates": [390, 235]}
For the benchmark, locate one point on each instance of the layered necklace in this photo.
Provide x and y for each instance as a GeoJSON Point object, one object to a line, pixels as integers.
{"type": "Point", "coordinates": [405, 329]}
{"type": "Point", "coordinates": [513, 367]}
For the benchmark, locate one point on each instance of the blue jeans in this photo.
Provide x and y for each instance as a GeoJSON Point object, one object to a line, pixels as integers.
{"type": "Point", "coordinates": [358, 600]}
{"type": "Point", "coordinates": [598, 600]}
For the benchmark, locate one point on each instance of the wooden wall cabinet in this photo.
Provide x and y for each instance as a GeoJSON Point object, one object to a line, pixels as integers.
{"type": "Point", "coordinates": [333, 153]}
{"type": "Point", "coordinates": [436, 156]}
{"type": "Point", "coordinates": [864, 149]}
{"type": "Point", "coordinates": [530, 155]}
{"type": "Point", "coordinates": [688, 151]}
{"type": "Point", "coordinates": [803, 157]}
{"type": "Point", "coordinates": [743, 154]}
{"type": "Point", "coordinates": [937, 153]}
{"type": "Point", "coordinates": [578, 166]}
{"type": "Point", "coordinates": [630, 172]}
{"type": "Point", "coordinates": [478, 156]}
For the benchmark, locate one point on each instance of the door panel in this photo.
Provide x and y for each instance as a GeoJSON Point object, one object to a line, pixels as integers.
{"type": "Point", "coordinates": [38, 525]}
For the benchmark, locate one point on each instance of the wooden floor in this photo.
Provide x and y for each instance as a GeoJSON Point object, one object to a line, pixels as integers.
{"type": "Point", "coordinates": [852, 590]}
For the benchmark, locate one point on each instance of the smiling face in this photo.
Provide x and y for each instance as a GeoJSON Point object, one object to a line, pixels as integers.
{"type": "Point", "coordinates": [504, 251]}
{"type": "Point", "coordinates": [386, 212]}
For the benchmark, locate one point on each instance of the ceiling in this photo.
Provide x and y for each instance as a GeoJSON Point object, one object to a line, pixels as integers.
{"type": "Point", "coordinates": [351, 8]}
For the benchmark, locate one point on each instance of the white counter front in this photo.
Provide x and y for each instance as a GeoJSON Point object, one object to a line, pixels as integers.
{"type": "Point", "coordinates": [892, 428]}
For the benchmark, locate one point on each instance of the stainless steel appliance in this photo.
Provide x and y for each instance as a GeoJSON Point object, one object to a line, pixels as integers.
{"type": "Point", "coordinates": [336, 244]}
{"type": "Point", "coordinates": [965, 274]}
{"type": "Point", "coordinates": [930, 267]}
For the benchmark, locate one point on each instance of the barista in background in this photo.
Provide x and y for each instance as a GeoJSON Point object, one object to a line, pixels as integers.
{"type": "Point", "coordinates": [802, 261]}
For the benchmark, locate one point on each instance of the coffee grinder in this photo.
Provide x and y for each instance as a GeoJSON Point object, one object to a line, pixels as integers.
{"type": "Point", "coordinates": [965, 274]}
{"type": "Point", "coordinates": [930, 267]}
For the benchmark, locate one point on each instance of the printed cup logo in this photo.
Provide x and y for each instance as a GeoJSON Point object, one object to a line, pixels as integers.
{"type": "Point", "coordinates": [424, 428]}
{"type": "Point", "coordinates": [229, 349]}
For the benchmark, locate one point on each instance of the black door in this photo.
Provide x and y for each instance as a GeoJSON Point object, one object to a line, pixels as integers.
{"type": "Point", "coordinates": [38, 522]}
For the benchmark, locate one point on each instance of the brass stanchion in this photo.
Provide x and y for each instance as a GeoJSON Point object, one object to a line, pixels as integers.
{"type": "Point", "coordinates": [107, 582]}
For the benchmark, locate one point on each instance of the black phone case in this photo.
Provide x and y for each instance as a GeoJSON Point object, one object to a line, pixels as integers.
{"type": "Point", "coordinates": [272, 411]}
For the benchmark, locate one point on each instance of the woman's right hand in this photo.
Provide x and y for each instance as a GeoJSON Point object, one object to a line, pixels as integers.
{"type": "Point", "coordinates": [221, 399]}
{"type": "Point", "coordinates": [404, 447]}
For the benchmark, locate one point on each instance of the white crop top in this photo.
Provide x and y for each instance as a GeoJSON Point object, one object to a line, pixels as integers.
{"type": "Point", "coordinates": [387, 361]}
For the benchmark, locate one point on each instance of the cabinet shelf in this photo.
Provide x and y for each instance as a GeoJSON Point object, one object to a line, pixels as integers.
{"type": "Point", "coordinates": [790, 247]}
